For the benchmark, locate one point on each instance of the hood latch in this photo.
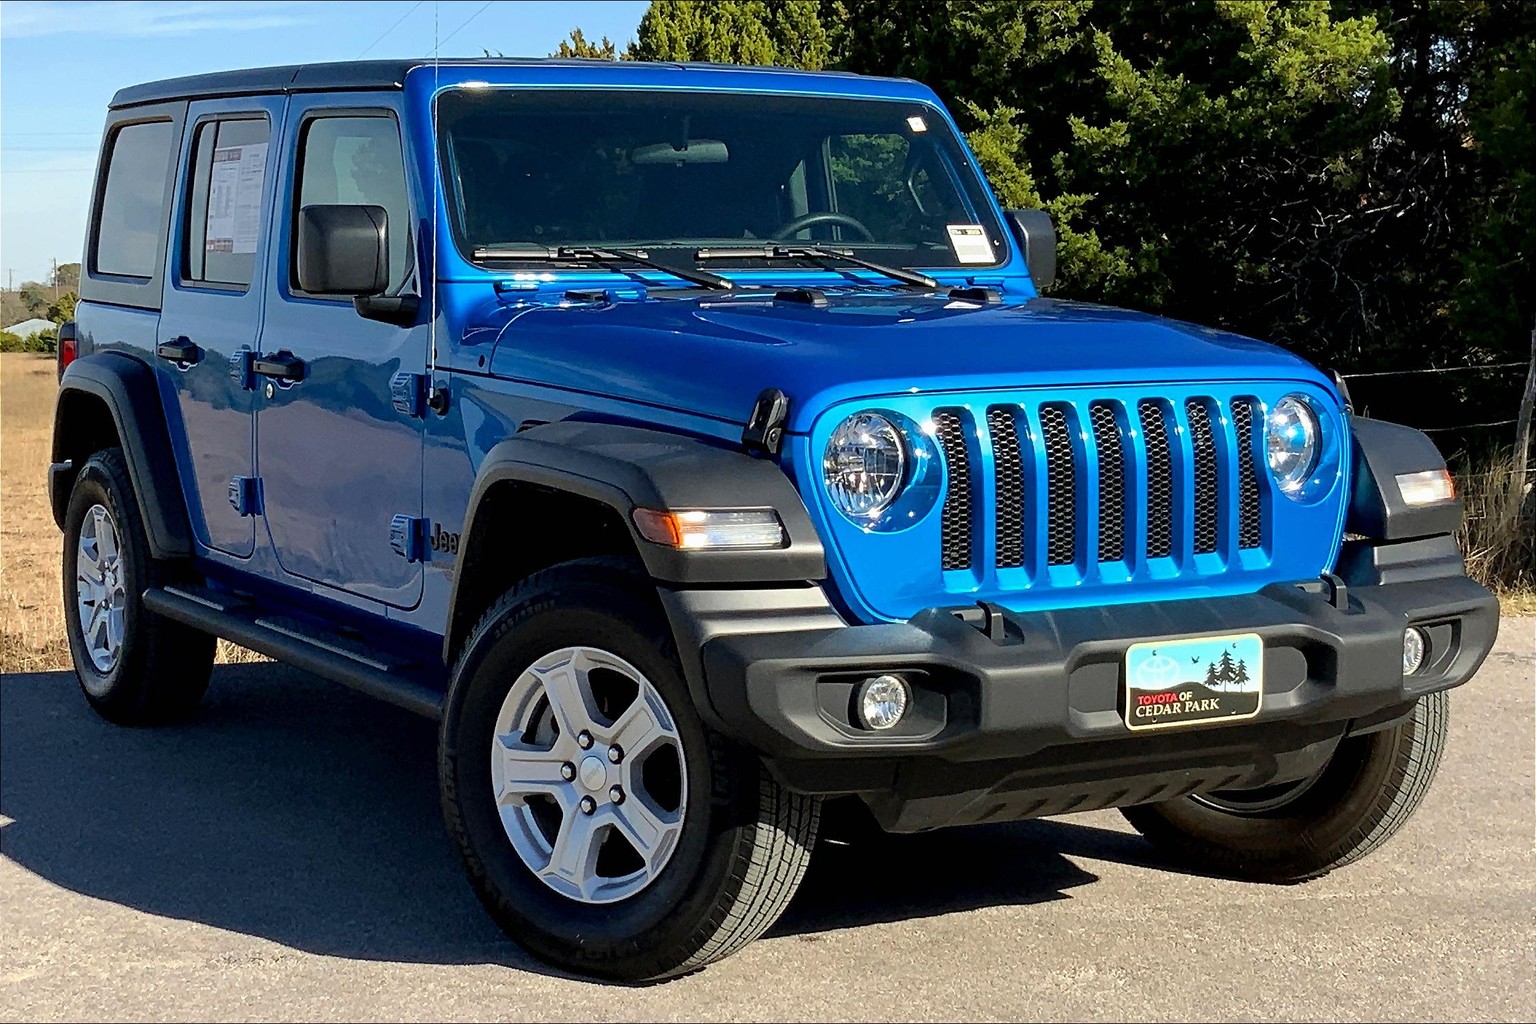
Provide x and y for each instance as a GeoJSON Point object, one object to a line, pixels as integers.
{"type": "Point", "coordinates": [764, 432]}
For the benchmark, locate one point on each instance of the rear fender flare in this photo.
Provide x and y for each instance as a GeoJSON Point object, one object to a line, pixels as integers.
{"type": "Point", "coordinates": [127, 389]}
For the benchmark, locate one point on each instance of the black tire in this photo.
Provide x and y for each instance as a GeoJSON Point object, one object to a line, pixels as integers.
{"type": "Point", "coordinates": [1362, 797]}
{"type": "Point", "coordinates": [162, 667]}
{"type": "Point", "coordinates": [745, 840]}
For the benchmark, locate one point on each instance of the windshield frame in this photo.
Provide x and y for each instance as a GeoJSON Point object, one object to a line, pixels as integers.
{"type": "Point", "coordinates": [950, 147]}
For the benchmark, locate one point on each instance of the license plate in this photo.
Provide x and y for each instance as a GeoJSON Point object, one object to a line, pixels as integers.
{"type": "Point", "coordinates": [1172, 682]}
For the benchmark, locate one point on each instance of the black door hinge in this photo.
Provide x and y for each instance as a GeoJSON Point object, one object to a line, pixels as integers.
{"type": "Point", "coordinates": [408, 537]}
{"type": "Point", "coordinates": [764, 432]}
{"type": "Point", "coordinates": [240, 369]}
{"type": "Point", "coordinates": [408, 393]}
{"type": "Point", "coordinates": [245, 495]}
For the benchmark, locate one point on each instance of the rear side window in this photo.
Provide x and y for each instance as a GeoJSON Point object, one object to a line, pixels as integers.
{"type": "Point", "coordinates": [352, 160]}
{"type": "Point", "coordinates": [128, 231]}
{"type": "Point", "coordinates": [224, 212]}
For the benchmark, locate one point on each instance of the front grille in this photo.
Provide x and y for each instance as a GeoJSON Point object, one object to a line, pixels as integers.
{"type": "Point", "coordinates": [1116, 482]}
{"type": "Point", "coordinates": [1250, 528]}
{"type": "Point", "coordinates": [1060, 485]}
{"type": "Point", "coordinates": [1115, 524]}
{"type": "Point", "coordinates": [1154, 432]}
{"type": "Point", "coordinates": [956, 532]}
{"type": "Point", "coordinates": [1207, 497]}
{"type": "Point", "coordinates": [1008, 468]}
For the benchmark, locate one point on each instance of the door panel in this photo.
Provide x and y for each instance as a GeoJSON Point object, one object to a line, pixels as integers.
{"type": "Point", "coordinates": [216, 275]}
{"type": "Point", "coordinates": [337, 461]}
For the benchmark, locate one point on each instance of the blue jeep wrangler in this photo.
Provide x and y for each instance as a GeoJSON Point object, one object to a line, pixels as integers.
{"type": "Point", "coordinates": [694, 443]}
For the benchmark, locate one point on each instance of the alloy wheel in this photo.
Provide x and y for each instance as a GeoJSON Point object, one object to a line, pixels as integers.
{"type": "Point", "coordinates": [100, 597]}
{"type": "Point", "coordinates": [589, 776]}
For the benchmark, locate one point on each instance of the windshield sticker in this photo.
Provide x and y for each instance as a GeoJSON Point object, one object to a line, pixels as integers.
{"type": "Point", "coordinates": [970, 243]}
{"type": "Point", "coordinates": [234, 198]}
{"type": "Point", "coordinates": [917, 124]}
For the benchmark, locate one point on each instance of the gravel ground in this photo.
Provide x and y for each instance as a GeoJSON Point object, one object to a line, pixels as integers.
{"type": "Point", "coordinates": [283, 857]}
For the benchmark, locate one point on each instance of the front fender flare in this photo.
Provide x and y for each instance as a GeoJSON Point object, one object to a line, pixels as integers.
{"type": "Point", "coordinates": [628, 467]}
{"type": "Point", "coordinates": [1383, 450]}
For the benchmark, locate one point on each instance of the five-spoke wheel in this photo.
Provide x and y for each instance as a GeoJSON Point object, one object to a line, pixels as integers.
{"type": "Point", "coordinates": [99, 594]}
{"type": "Point", "coordinates": [587, 768]}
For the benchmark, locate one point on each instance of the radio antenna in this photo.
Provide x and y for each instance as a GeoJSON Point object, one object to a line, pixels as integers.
{"type": "Point", "coordinates": [433, 187]}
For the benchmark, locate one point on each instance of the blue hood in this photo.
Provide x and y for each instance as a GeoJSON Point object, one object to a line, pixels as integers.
{"type": "Point", "coordinates": [713, 355]}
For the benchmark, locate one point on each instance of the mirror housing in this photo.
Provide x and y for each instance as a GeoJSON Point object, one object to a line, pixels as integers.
{"type": "Point", "coordinates": [343, 250]}
{"type": "Point", "coordinates": [1036, 235]}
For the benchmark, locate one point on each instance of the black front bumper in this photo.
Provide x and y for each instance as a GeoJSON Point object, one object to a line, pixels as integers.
{"type": "Point", "coordinates": [1016, 715]}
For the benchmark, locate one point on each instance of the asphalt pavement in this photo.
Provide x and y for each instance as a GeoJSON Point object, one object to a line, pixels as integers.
{"type": "Point", "coordinates": [283, 857]}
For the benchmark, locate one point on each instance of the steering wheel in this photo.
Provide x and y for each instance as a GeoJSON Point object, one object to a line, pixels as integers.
{"type": "Point", "coordinates": [810, 220]}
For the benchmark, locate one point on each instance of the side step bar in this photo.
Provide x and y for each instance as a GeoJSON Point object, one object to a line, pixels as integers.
{"type": "Point", "coordinates": [278, 638]}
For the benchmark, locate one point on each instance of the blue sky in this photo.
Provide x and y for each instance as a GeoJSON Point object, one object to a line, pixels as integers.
{"type": "Point", "coordinates": [61, 62]}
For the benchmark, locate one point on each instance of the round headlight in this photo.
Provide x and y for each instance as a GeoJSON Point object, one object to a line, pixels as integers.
{"type": "Point", "coordinates": [1292, 438]}
{"type": "Point", "coordinates": [864, 465]}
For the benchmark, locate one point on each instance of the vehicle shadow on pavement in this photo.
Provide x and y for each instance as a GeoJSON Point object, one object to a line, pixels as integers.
{"type": "Point", "coordinates": [294, 810]}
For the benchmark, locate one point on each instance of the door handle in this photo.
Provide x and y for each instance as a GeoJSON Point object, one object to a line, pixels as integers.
{"type": "Point", "coordinates": [180, 351]}
{"type": "Point", "coordinates": [280, 366]}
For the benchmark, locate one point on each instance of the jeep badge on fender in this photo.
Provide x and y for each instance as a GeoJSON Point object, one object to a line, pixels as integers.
{"type": "Point", "coordinates": [696, 445]}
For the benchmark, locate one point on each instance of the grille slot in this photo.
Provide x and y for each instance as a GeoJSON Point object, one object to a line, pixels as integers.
{"type": "Point", "coordinates": [1250, 511]}
{"type": "Point", "coordinates": [1154, 432]}
{"type": "Point", "coordinates": [956, 529]}
{"type": "Point", "coordinates": [1060, 486]}
{"type": "Point", "coordinates": [1207, 487]}
{"type": "Point", "coordinates": [1114, 523]}
{"type": "Point", "coordinates": [1008, 472]}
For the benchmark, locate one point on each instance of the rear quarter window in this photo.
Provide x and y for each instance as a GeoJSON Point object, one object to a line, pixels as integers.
{"type": "Point", "coordinates": [224, 223]}
{"type": "Point", "coordinates": [131, 222]}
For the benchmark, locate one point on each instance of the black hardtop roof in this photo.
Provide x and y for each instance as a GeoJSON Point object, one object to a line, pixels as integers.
{"type": "Point", "coordinates": [367, 75]}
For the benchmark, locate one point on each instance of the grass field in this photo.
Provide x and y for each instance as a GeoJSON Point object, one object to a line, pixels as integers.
{"type": "Point", "coordinates": [31, 623]}
{"type": "Point", "coordinates": [31, 620]}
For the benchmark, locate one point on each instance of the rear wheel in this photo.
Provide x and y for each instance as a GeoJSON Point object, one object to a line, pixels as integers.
{"type": "Point", "coordinates": [604, 827]}
{"type": "Point", "coordinates": [1299, 830]}
{"type": "Point", "coordinates": [135, 667]}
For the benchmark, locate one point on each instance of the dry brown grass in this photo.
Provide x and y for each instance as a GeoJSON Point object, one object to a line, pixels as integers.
{"type": "Point", "coordinates": [1498, 533]}
{"type": "Point", "coordinates": [32, 635]}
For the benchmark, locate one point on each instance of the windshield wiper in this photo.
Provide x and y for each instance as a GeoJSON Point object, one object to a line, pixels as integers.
{"type": "Point", "coordinates": [816, 252]}
{"type": "Point", "coordinates": [590, 254]}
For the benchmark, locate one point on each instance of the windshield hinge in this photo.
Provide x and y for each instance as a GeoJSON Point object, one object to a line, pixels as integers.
{"type": "Point", "coordinates": [764, 432]}
{"type": "Point", "coordinates": [977, 293]}
{"type": "Point", "coordinates": [809, 296]}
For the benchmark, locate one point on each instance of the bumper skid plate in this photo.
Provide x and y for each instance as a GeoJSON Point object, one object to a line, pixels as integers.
{"type": "Point", "coordinates": [1015, 715]}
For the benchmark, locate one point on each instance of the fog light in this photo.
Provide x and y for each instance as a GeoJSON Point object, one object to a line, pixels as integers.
{"type": "Point", "coordinates": [1414, 646]}
{"type": "Point", "coordinates": [882, 701]}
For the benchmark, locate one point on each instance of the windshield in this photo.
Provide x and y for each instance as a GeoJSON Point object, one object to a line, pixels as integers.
{"type": "Point", "coordinates": [674, 172]}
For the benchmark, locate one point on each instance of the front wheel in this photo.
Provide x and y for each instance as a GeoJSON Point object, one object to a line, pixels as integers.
{"type": "Point", "coordinates": [1301, 830]}
{"type": "Point", "coordinates": [604, 827]}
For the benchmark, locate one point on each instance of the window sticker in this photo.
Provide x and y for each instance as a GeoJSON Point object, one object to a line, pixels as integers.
{"type": "Point", "coordinates": [917, 124]}
{"type": "Point", "coordinates": [970, 243]}
{"type": "Point", "coordinates": [234, 198]}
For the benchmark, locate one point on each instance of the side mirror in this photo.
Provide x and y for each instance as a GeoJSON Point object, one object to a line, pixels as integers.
{"type": "Point", "coordinates": [1036, 235]}
{"type": "Point", "coordinates": [343, 250]}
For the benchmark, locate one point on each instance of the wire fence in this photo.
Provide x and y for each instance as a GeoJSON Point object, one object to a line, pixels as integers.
{"type": "Point", "coordinates": [1435, 369]}
{"type": "Point", "coordinates": [1471, 368]}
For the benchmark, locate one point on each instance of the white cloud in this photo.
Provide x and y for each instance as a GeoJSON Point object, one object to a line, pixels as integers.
{"type": "Point", "coordinates": [19, 20]}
